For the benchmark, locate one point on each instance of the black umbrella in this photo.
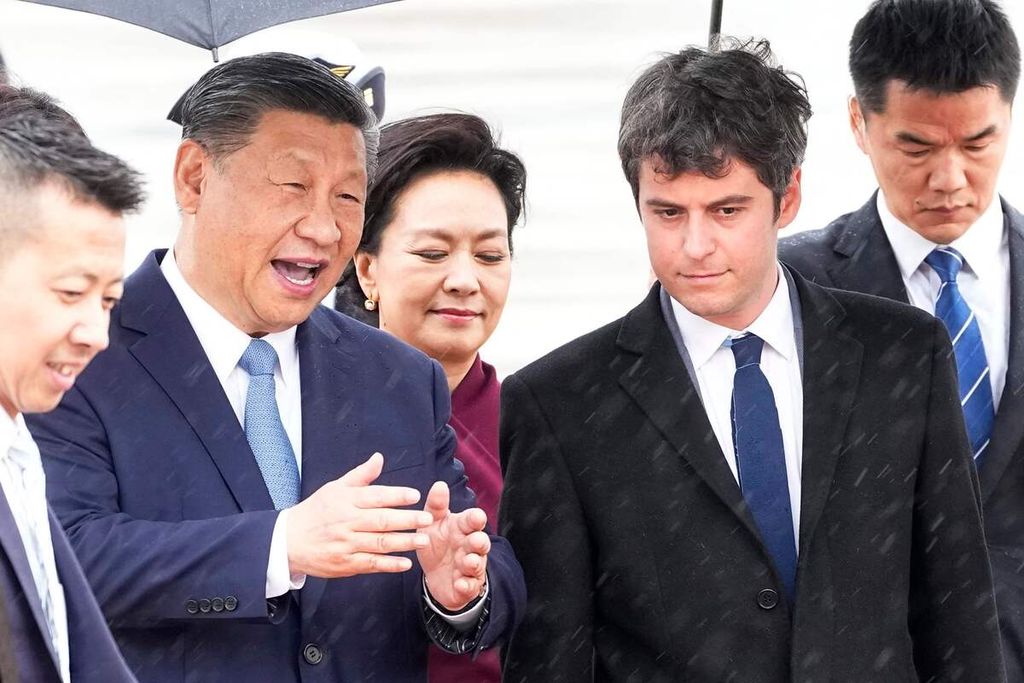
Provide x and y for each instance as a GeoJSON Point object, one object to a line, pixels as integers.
{"type": "Point", "coordinates": [209, 23]}
{"type": "Point", "coordinates": [715, 31]}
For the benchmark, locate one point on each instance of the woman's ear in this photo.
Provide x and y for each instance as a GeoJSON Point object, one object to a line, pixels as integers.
{"type": "Point", "coordinates": [366, 271]}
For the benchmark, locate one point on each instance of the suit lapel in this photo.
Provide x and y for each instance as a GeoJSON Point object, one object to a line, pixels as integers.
{"type": "Point", "coordinates": [173, 356]}
{"type": "Point", "coordinates": [831, 372]}
{"type": "Point", "coordinates": [1009, 428]}
{"type": "Point", "coordinates": [869, 265]}
{"type": "Point", "coordinates": [14, 549]}
{"type": "Point", "coordinates": [656, 379]}
{"type": "Point", "coordinates": [330, 416]}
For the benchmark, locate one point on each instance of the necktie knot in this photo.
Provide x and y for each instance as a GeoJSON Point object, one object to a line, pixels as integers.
{"type": "Point", "coordinates": [747, 350]}
{"type": "Point", "coordinates": [259, 358]}
{"type": "Point", "coordinates": [946, 262]}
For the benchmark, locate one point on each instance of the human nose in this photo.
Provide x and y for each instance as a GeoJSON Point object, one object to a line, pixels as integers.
{"type": "Point", "coordinates": [698, 238]}
{"type": "Point", "coordinates": [91, 329]}
{"type": "Point", "coordinates": [949, 175]}
{"type": "Point", "coordinates": [462, 275]}
{"type": "Point", "coordinates": [320, 225]}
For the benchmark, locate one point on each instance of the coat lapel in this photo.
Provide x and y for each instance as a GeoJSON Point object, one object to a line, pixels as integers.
{"type": "Point", "coordinates": [657, 380]}
{"type": "Point", "coordinates": [331, 414]}
{"type": "Point", "coordinates": [170, 351]}
{"type": "Point", "coordinates": [13, 547]}
{"type": "Point", "coordinates": [831, 372]}
{"type": "Point", "coordinates": [1009, 428]}
{"type": "Point", "coordinates": [869, 265]}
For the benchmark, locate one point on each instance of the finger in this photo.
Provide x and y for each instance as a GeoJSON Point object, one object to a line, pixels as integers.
{"type": "Point", "coordinates": [437, 500]}
{"type": "Point", "coordinates": [473, 519]}
{"type": "Point", "coordinates": [468, 588]}
{"type": "Point", "coordinates": [374, 563]}
{"type": "Point", "coordinates": [369, 497]}
{"type": "Point", "coordinates": [474, 565]}
{"type": "Point", "coordinates": [386, 519]}
{"type": "Point", "coordinates": [364, 474]}
{"type": "Point", "coordinates": [478, 542]}
{"type": "Point", "coordinates": [388, 542]}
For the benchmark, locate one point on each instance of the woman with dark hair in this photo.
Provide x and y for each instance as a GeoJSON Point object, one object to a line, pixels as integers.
{"type": "Point", "coordinates": [433, 269]}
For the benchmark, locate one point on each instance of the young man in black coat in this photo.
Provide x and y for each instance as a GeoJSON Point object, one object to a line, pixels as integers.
{"type": "Point", "coordinates": [934, 85]}
{"type": "Point", "coordinates": [748, 477]}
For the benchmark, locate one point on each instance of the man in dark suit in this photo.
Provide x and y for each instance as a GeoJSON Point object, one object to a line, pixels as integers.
{"type": "Point", "coordinates": [934, 85]}
{"type": "Point", "coordinates": [61, 252]}
{"type": "Point", "coordinates": [240, 476]}
{"type": "Point", "coordinates": [748, 477]}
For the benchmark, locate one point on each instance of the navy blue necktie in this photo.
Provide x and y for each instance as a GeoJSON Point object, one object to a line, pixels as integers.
{"type": "Point", "coordinates": [264, 429]}
{"type": "Point", "coordinates": [971, 362]}
{"type": "Point", "coordinates": [761, 459]}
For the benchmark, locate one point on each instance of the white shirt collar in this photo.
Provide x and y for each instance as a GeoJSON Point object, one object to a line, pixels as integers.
{"type": "Point", "coordinates": [979, 245]}
{"type": "Point", "coordinates": [14, 432]}
{"type": "Point", "coordinates": [224, 343]}
{"type": "Point", "coordinates": [774, 325]}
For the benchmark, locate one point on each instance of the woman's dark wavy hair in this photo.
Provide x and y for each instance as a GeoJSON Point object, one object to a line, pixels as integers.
{"type": "Point", "coordinates": [416, 147]}
{"type": "Point", "coordinates": [699, 109]}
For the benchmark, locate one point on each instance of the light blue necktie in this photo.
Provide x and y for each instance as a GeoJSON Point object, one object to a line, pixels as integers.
{"type": "Point", "coordinates": [263, 427]}
{"type": "Point", "coordinates": [971, 363]}
{"type": "Point", "coordinates": [761, 459]}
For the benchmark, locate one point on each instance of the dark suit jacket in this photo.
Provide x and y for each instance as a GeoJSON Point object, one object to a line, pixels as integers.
{"type": "Point", "coordinates": [28, 652]}
{"type": "Point", "coordinates": [151, 475]}
{"type": "Point", "coordinates": [853, 253]}
{"type": "Point", "coordinates": [644, 563]}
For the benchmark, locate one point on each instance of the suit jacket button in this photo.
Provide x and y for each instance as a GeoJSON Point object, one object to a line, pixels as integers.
{"type": "Point", "coordinates": [217, 604]}
{"type": "Point", "coordinates": [767, 598]}
{"type": "Point", "coordinates": [231, 603]}
{"type": "Point", "coordinates": [204, 606]}
{"type": "Point", "coordinates": [192, 607]}
{"type": "Point", "coordinates": [312, 653]}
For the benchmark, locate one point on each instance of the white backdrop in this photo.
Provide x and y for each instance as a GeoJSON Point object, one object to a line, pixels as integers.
{"type": "Point", "coordinates": [550, 74]}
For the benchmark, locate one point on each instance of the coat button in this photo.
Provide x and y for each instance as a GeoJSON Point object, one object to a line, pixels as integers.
{"type": "Point", "coordinates": [192, 607]}
{"type": "Point", "coordinates": [204, 606]}
{"type": "Point", "coordinates": [312, 653]}
{"type": "Point", "coordinates": [767, 598]}
{"type": "Point", "coordinates": [231, 603]}
{"type": "Point", "coordinates": [217, 604]}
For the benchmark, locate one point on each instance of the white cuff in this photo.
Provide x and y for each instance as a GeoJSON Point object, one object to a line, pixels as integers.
{"type": "Point", "coordinates": [463, 621]}
{"type": "Point", "coordinates": [279, 579]}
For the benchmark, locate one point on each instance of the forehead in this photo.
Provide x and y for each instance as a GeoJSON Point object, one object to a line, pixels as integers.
{"type": "Point", "coordinates": [451, 199]}
{"type": "Point", "coordinates": [694, 186]}
{"type": "Point", "coordinates": [283, 136]}
{"type": "Point", "coordinates": [965, 113]}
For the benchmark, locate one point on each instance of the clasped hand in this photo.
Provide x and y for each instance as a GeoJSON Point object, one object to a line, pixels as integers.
{"type": "Point", "coordinates": [351, 526]}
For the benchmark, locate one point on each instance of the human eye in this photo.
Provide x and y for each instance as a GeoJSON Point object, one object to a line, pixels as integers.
{"type": "Point", "coordinates": [70, 296]}
{"type": "Point", "coordinates": [492, 257]}
{"type": "Point", "coordinates": [729, 211]}
{"type": "Point", "coordinates": [431, 255]}
{"type": "Point", "coordinates": [110, 301]}
{"type": "Point", "coordinates": [915, 153]}
{"type": "Point", "coordinates": [667, 212]}
{"type": "Point", "coordinates": [976, 148]}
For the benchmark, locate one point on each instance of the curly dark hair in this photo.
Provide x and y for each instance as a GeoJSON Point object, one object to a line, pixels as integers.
{"type": "Point", "coordinates": [413, 148]}
{"type": "Point", "coordinates": [699, 109]}
{"type": "Point", "coordinates": [941, 46]}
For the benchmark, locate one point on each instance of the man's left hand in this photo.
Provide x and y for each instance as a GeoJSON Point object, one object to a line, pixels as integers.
{"type": "Point", "coordinates": [455, 561]}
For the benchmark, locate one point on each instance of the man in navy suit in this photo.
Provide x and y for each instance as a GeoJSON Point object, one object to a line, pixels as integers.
{"type": "Point", "coordinates": [934, 84]}
{"type": "Point", "coordinates": [259, 488]}
{"type": "Point", "coordinates": [61, 253]}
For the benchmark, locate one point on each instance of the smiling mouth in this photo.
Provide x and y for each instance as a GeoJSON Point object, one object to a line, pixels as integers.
{"type": "Point", "coordinates": [301, 273]}
{"type": "Point", "coordinates": [62, 369]}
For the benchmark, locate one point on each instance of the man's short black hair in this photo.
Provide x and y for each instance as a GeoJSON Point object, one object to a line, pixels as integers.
{"type": "Point", "coordinates": [42, 143]}
{"type": "Point", "coordinates": [698, 110]}
{"type": "Point", "coordinates": [222, 110]}
{"type": "Point", "coordinates": [939, 46]}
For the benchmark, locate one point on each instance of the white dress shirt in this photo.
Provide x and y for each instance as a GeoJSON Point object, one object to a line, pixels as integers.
{"type": "Point", "coordinates": [24, 487]}
{"type": "Point", "coordinates": [984, 281]}
{"type": "Point", "coordinates": [715, 367]}
{"type": "Point", "coordinates": [224, 345]}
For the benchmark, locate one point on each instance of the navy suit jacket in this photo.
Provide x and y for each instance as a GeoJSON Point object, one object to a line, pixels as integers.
{"type": "Point", "coordinates": [155, 483]}
{"type": "Point", "coordinates": [28, 655]}
{"type": "Point", "coordinates": [854, 254]}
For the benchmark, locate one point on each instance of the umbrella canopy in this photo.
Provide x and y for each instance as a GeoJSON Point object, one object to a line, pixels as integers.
{"type": "Point", "coordinates": [209, 23]}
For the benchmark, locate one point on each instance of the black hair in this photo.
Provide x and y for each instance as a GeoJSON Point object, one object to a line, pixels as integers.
{"type": "Point", "coordinates": [698, 110]}
{"type": "Point", "coordinates": [941, 46]}
{"type": "Point", "coordinates": [413, 148]}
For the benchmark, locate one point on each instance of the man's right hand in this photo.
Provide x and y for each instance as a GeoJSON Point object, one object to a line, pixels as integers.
{"type": "Point", "coordinates": [350, 527]}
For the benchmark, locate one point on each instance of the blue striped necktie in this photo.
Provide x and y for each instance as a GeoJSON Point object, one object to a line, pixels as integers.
{"type": "Point", "coordinates": [264, 429]}
{"type": "Point", "coordinates": [971, 363]}
{"type": "Point", "coordinates": [761, 458]}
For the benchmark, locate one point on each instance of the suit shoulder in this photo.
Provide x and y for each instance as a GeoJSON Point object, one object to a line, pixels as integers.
{"type": "Point", "coordinates": [594, 349]}
{"type": "Point", "coordinates": [875, 314]}
{"type": "Point", "coordinates": [812, 250]}
{"type": "Point", "coordinates": [370, 341]}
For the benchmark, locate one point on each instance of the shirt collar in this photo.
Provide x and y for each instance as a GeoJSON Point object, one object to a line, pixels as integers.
{"type": "Point", "coordinates": [224, 343]}
{"type": "Point", "coordinates": [979, 245]}
{"type": "Point", "coordinates": [774, 325]}
{"type": "Point", "coordinates": [13, 431]}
